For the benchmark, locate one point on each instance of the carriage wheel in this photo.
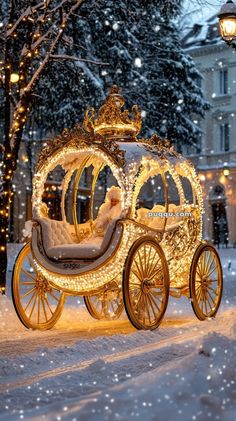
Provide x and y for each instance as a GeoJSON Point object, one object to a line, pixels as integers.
{"type": "Point", "coordinates": [206, 282]}
{"type": "Point", "coordinates": [146, 284]}
{"type": "Point", "coordinates": [107, 305]}
{"type": "Point", "coordinates": [37, 304]}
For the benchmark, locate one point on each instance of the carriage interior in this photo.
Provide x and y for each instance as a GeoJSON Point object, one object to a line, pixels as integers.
{"type": "Point", "coordinates": [89, 202]}
{"type": "Point", "coordinates": [61, 241]}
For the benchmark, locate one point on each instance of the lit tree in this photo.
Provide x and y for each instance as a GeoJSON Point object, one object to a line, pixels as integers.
{"type": "Point", "coordinates": [30, 34]}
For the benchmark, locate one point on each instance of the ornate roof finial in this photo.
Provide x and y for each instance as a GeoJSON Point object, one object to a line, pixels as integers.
{"type": "Point", "coordinates": [111, 120]}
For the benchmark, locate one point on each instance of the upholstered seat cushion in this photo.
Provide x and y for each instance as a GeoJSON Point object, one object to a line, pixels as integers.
{"type": "Point", "coordinates": [58, 243]}
{"type": "Point", "coordinates": [55, 232]}
{"type": "Point", "coordinates": [75, 251]}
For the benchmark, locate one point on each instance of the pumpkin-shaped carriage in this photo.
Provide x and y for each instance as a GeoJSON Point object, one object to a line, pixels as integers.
{"type": "Point", "coordinates": [142, 244]}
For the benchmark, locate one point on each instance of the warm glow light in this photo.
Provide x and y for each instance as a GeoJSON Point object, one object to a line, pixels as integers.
{"type": "Point", "coordinates": [226, 172]}
{"type": "Point", "coordinates": [202, 177]}
{"type": "Point", "coordinates": [228, 28]}
{"type": "Point", "coordinates": [14, 78]}
{"type": "Point", "coordinates": [227, 21]}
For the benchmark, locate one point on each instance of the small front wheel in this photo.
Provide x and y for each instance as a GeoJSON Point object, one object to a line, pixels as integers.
{"type": "Point", "coordinates": [146, 284]}
{"type": "Point", "coordinates": [206, 282]}
{"type": "Point", "coordinates": [37, 304]}
{"type": "Point", "coordinates": [107, 305]}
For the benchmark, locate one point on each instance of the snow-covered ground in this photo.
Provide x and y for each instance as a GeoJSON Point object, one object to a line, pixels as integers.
{"type": "Point", "coordinates": [88, 370]}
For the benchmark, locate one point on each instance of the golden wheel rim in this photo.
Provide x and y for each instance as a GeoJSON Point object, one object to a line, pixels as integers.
{"type": "Point", "coordinates": [206, 283]}
{"type": "Point", "coordinates": [146, 287]}
{"type": "Point", "coordinates": [38, 305]}
{"type": "Point", "coordinates": [106, 306]}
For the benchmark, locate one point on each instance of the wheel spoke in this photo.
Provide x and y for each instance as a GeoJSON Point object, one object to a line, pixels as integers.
{"type": "Point", "coordinates": [199, 294]}
{"type": "Point", "coordinates": [154, 302]}
{"type": "Point", "coordinates": [138, 269]}
{"type": "Point", "coordinates": [138, 300]}
{"type": "Point", "coordinates": [210, 265]}
{"type": "Point", "coordinates": [145, 260]}
{"type": "Point", "coordinates": [38, 308]}
{"type": "Point", "coordinates": [33, 307]}
{"type": "Point", "coordinates": [213, 270]}
{"type": "Point", "coordinates": [141, 265]}
{"type": "Point", "coordinates": [46, 300]}
{"type": "Point", "coordinates": [200, 264]}
{"type": "Point", "coordinates": [136, 274]}
{"type": "Point", "coordinates": [205, 303]}
{"type": "Point", "coordinates": [151, 305]}
{"type": "Point", "coordinates": [27, 283]}
{"type": "Point", "coordinates": [155, 273]}
{"type": "Point", "coordinates": [211, 296]}
{"type": "Point", "coordinates": [147, 307]}
{"type": "Point", "coordinates": [27, 293]}
{"type": "Point", "coordinates": [28, 274]}
{"type": "Point", "coordinates": [212, 289]}
{"type": "Point", "coordinates": [207, 260]}
{"type": "Point", "coordinates": [151, 263]}
{"type": "Point", "coordinates": [148, 260]}
{"type": "Point", "coordinates": [52, 295]}
{"type": "Point", "coordinates": [153, 267]}
{"type": "Point", "coordinates": [157, 295]}
{"type": "Point", "coordinates": [44, 308]}
{"type": "Point", "coordinates": [30, 301]}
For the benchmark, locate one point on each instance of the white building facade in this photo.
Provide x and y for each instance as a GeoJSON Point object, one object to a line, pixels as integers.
{"type": "Point", "coordinates": [216, 159]}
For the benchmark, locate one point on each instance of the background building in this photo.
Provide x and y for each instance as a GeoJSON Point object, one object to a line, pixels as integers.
{"type": "Point", "coordinates": [216, 157]}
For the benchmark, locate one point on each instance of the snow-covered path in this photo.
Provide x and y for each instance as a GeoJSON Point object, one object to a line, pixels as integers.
{"type": "Point", "coordinates": [88, 370]}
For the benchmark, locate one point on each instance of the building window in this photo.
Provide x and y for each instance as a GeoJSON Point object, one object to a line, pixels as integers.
{"type": "Point", "coordinates": [223, 82]}
{"type": "Point", "coordinates": [224, 137]}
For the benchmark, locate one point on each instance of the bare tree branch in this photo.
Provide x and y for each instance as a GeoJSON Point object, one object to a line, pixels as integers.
{"type": "Point", "coordinates": [42, 65]}
{"type": "Point", "coordinates": [66, 57]}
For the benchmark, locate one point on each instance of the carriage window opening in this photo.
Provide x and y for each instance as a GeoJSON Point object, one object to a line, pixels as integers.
{"type": "Point", "coordinates": [84, 194]}
{"type": "Point", "coordinates": [85, 177]}
{"type": "Point", "coordinates": [151, 193]}
{"type": "Point", "coordinates": [69, 199]}
{"type": "Point", "coordinates": [187, 188]}
{"type": "Point", "coordinates": [173, 194]}
{"type": "Point", "coordinates": [53, 191]}
{"type": "Point", "coordinates": [105, 181]}
{"type": "Point", "coordinates": [150, 205]}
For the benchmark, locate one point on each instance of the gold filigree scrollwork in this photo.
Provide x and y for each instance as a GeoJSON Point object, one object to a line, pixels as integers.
{"type": "Point", "coordinates": [76, 137]}
{"type": "Point", "coordinates": [159, 146]}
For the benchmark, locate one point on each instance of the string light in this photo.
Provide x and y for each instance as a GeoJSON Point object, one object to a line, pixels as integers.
{"type": "Point", "coordinates": [14, 78]}
{"type": "Point", "coordinates": [130, 180]}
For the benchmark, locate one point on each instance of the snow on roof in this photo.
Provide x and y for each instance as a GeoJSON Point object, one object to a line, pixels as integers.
{"type": "Point", "coordinates": [203, 34]}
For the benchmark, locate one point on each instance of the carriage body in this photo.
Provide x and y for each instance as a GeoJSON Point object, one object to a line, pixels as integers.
{"type": "Point", "coordinates": [166, 225]}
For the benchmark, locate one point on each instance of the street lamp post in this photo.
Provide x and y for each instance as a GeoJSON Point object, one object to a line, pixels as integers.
{"type": "Point", "coordinates": [227, 23]}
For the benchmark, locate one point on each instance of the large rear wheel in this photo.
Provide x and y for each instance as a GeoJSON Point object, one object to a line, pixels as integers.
{"type": "Point", "coordinates": [146, 284]}
{"type": "Point", "coordinates": [206, 282]}
{"type": "Point", "coordinates": [37, 304]}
